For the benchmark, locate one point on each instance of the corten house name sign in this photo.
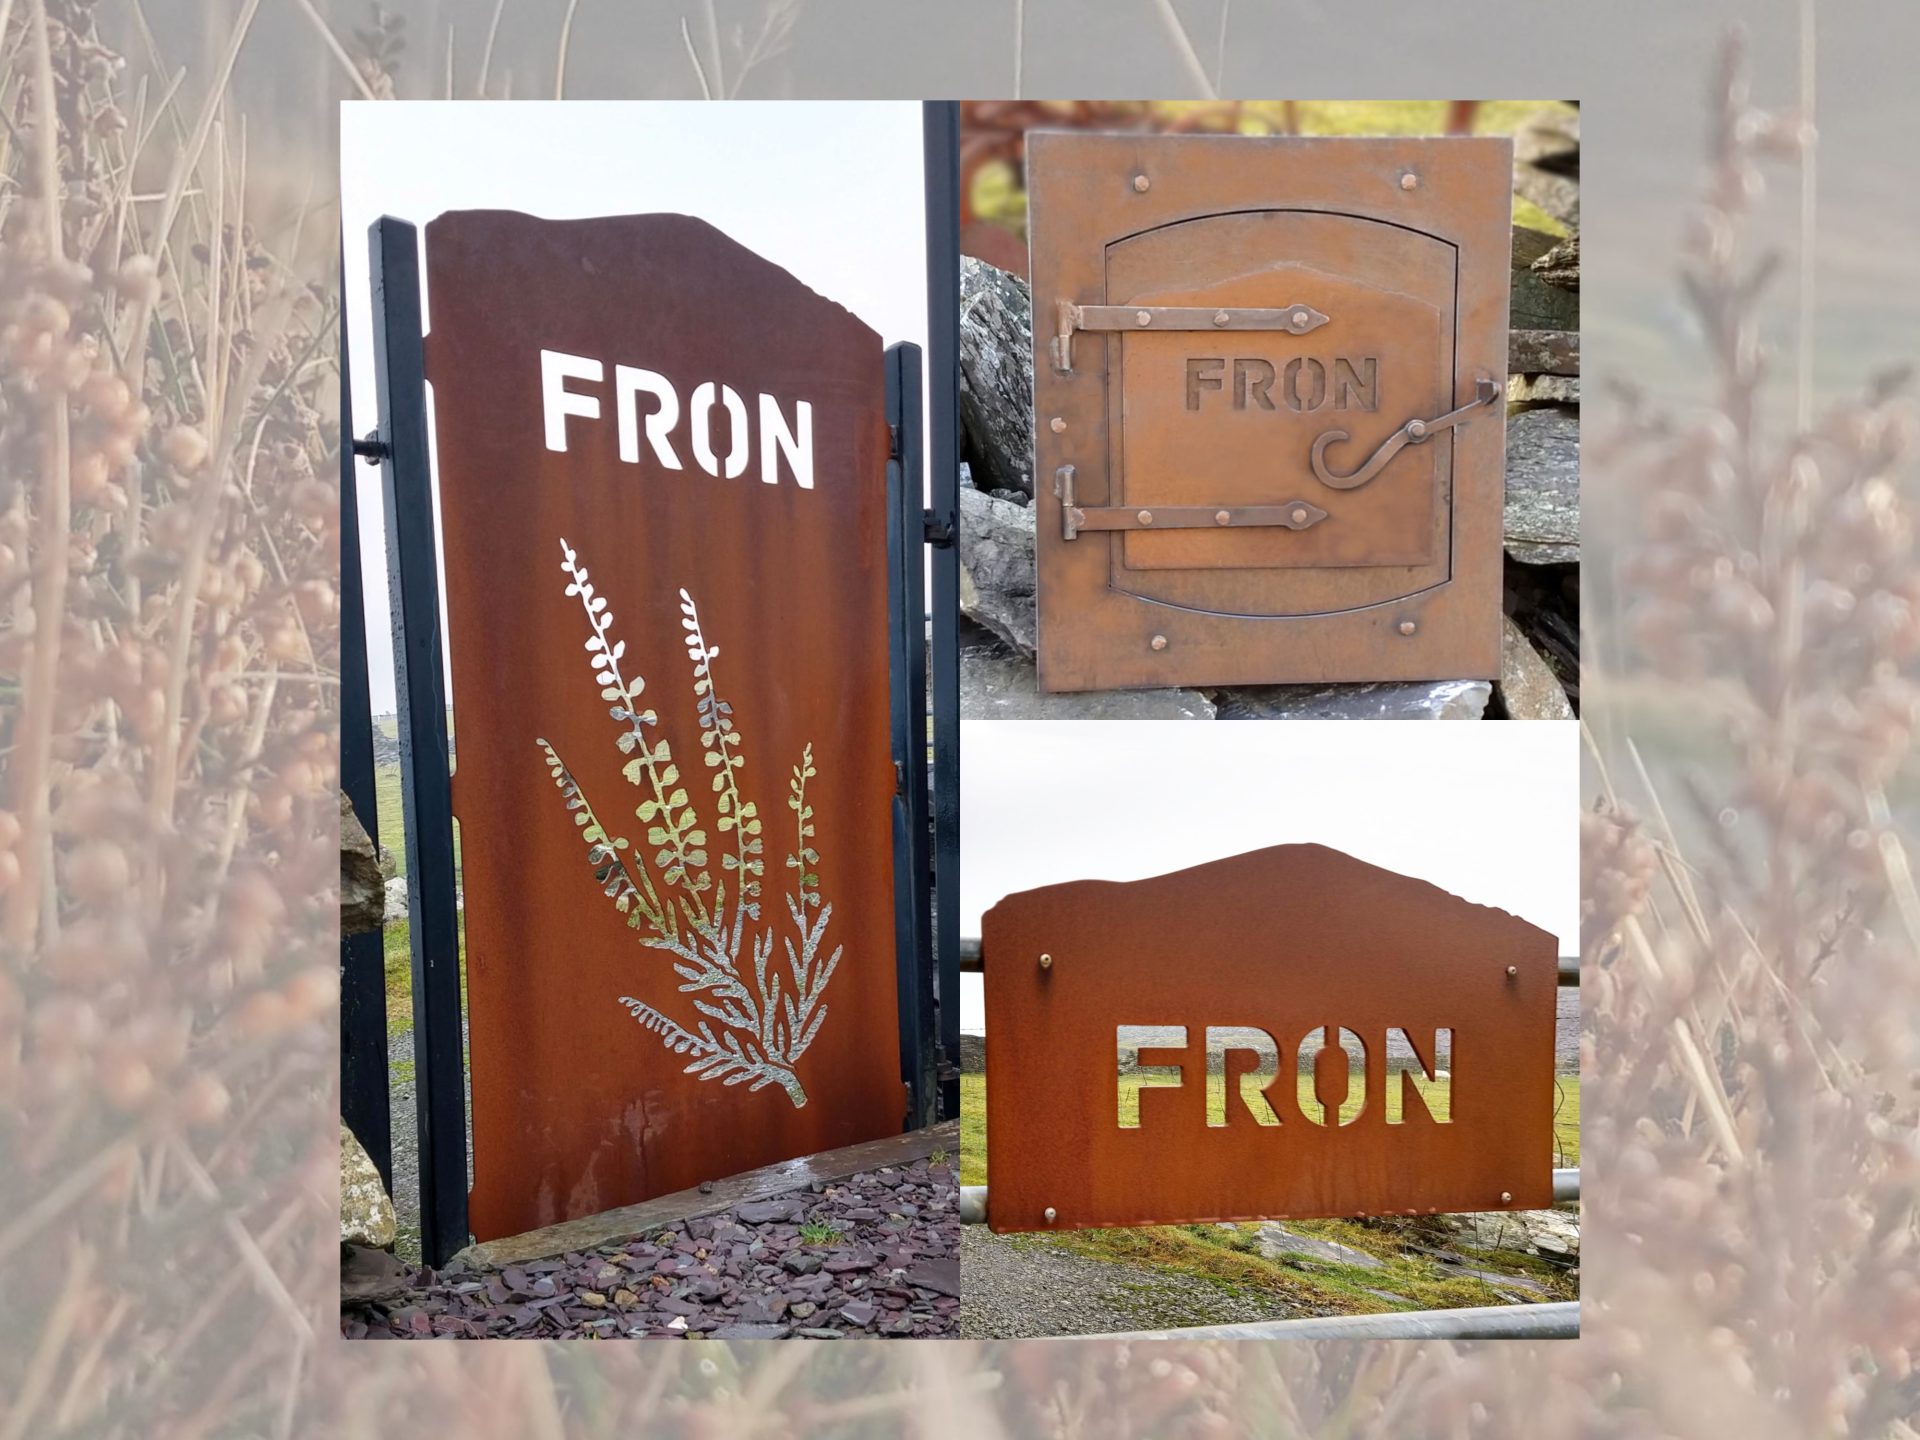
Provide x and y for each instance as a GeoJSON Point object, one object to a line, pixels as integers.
{"type": "Point", "coordinates": [662, 465]}
{"type": "Point", "coordinates": [1290, 1032]}
{"type": "Point", "coordinates": [1268, 386]}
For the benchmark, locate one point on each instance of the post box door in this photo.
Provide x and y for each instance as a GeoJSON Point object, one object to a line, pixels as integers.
{"type": "Point", "coordinates": [1263, 369]}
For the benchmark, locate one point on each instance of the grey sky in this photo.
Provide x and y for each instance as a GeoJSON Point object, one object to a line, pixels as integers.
{"type": "Point", "coordinates": [1489, 812]}
{"type": "Point", "coordinates": [832, 190]}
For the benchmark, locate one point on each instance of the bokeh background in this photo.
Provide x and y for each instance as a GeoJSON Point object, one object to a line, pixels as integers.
{"type": "Point", "coordinates": [168, 511]}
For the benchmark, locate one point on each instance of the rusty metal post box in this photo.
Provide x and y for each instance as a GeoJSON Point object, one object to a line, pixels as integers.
{"type": "Point", "coordinates": [1269, 377]}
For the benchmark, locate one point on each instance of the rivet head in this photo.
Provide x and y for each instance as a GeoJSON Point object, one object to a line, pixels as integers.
{"type": "Point", "coordinates": [1051, 1214]}
{"type": "Point", "coordinates": [1417, 429]}
{"type": "Point", "coordinates": [1299, 516]}
{"type": "Point", "coordinates": [1140, 183]}
{"type": "Point", "coordinates": [1409, 181]}
{"type": "Point", "coordinates": [1222, 517]}
{"type": "Point", "coordinates": [1056, 425]}
{"type": "Point", "coordinates": [1513, 969]}
{"type": "Point", "coordinates": [1407, 627]}
{"type": "Point", "coordinates": [1299, 319]}
{"type": "Point", "coordinates": [1046, 962]}
{"type": "Point", "coordinates": [1506, 1198]}
{"type": "Point", "coordinates": [1159, 642]}
{"type": "Point", "coordinates": [1145, 517]}
{"type": "Point", "coordinates": [1220, 317]}
{"type": "Point", "coordinates": [1144, 317]}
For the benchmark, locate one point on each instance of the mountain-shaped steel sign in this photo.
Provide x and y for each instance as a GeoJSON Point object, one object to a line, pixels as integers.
{"type": "Point", "coordinates": [1289, 1032]}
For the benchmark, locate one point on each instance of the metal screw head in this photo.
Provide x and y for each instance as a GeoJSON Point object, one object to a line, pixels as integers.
{"type": "Point", "coordinates": [1220, 317]}
{"type": "Point", "coordinates": [1407, 627]}
{"type": "Point", "coordinates": [1513, 969]}
{"type": "Point", "coordinates": [1506, 1198]}
{"type": "Point", "coordinates": [1051, 1214]}
{"type": "Point", "coordinates": [1299, 516]}
{"type": "Point", "coordinates": [1144, 317]}
{"type": "Point", "coordinates": [1298, 319]}
{"type": "Point", "coordinates": [1222, 517]}
{"type": "Point", "coordinates": [1409, 181]}
{"type": "Point", "coordinates": [1046, 962]}
{"type": "Point", "coordinates": [1140, 183]}
{"type": "Point", "coordinates": [1056, 424]}
{"type": "Point", "coordinates": [1145, 517]}
{"type": "Point", "coordinates": [1159, 642]}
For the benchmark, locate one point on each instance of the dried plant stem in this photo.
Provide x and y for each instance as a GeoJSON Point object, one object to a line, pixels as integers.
{"type": "Point", "coordinates": [486, 54]}
{"type": "Point", "coordinates": [54, 1334]}
{"type": "Point", "coordinates": [1183, 48]}
{"type": "Point", "coordinates": [713, 47]}
{"type": "Point", "coordinates": [339, 52]}
{"type": "Point", "coordinates": [699, 70]}
{"type": "Point", "coordinates": [35, 739]}
{"type": "Point", "coordinates": [1019, 48]}
{"type": "Point", "coordinates": [560, 64]}
{"type": "Point", "coordinates": [1809, 215]}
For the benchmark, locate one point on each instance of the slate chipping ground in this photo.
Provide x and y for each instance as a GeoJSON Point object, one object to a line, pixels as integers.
{"type": "Point", "coordinates": [873, 1255]}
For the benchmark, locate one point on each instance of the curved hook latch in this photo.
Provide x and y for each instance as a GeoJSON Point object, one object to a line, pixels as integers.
{"type": "Point", "coordinates": [1411, 433]}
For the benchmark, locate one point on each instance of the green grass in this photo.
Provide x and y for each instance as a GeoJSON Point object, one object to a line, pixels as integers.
{"type": "Point", "coordinates": [812, 1234]}
{"type": "Point", "coordinates": [1228, 1256]}
{"type": "Point", "coordinates": [390, 814]}
{"type": "Point", "coordinates": [397, 943]}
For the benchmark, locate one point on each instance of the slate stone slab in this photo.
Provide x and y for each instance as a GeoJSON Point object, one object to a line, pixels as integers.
{"type": "Point", "coordinates": [1386, 700]}
{"type": "Point", "coordinates": [1528, 687]}
{"type": "Point", "coordinates": [997, 684]}
{"type": "Point", "coordinates": [1275, 1240]}
{"type": "Point", "coordinates": [1543, 352]}
{"type": "Point", "coordinates": [1543, 486]}
{"type": "Point", "coordinates": [996, 568]}
{"type": "Point", "coordinates": [996, 376]}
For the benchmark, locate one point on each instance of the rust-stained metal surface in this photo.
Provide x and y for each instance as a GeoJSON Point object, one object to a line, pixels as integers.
{"type": "Point", "coordinates": [1268, 324]}
{"type": "Point", "coordinates": [1267, 950]}
{"type": "Point", "coordinates": [581, 1032]}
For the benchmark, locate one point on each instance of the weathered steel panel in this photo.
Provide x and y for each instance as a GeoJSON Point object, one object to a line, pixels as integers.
{"type": "Point", "coordinates": [707, 440]}
{"type": "Point", "coordinates": [1261, 371]}
{"type": "Point", "coordinates": [1145, 1042]}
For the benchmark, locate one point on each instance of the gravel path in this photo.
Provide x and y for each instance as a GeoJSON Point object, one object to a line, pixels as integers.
{"type": "Point", "coordinates": [1015, 1287]}
{"type": "Point", "coordinates": [406, 1145]}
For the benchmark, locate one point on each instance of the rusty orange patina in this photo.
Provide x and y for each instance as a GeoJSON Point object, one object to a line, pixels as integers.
{"type": "Point", "coordinates": [1266, 381]}
{"type": "Point", "coordinates": [708, 438]}
{"type": "Point", "coordinates": [1123, 1020]}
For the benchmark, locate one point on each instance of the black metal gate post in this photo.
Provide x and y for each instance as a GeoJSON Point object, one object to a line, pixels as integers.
{"type": "Point", "coordinates": [363, 999]}
{"type": "Point", "coordinates": [941, 145]}
{"type": "Point", "coordinates": [907, 673]}
{"type": "Point", "coordinates": [419, 669]}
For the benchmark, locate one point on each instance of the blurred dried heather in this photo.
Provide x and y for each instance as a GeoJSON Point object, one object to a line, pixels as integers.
{"type": "Point", "coordinates": [167, 627]}
{"type": "Point", "coordinates": [167, 883]}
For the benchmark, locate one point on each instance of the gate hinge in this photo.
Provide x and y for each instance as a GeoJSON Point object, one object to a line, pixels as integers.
{"type": "Point", "coordinates": [899, 777]}
{"type": "Point", "coordinates": [938, 532]}
{"type": "Point", "coordinates": [893, 442]}
{"type": "Point", "coordinates": [371, 447]}
{"type": "Point", "coordinates": [1069, 317]}
{"type": "Point", "coordinates": [1293, 514]}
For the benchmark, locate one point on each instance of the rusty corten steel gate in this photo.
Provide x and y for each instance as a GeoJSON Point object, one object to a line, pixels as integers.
{"type": "Point", "coordinates": [663, 466]}
{"type": "Point", "coordinates": [1268, 385]}
{"type": "Point", "coordinates": [1145, 1059]}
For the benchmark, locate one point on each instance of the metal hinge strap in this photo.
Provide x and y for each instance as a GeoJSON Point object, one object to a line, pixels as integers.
{"type": "Point", "coordinates": [1292, 514]}
{"type": "Point", "coordinates": [1069, 317]}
